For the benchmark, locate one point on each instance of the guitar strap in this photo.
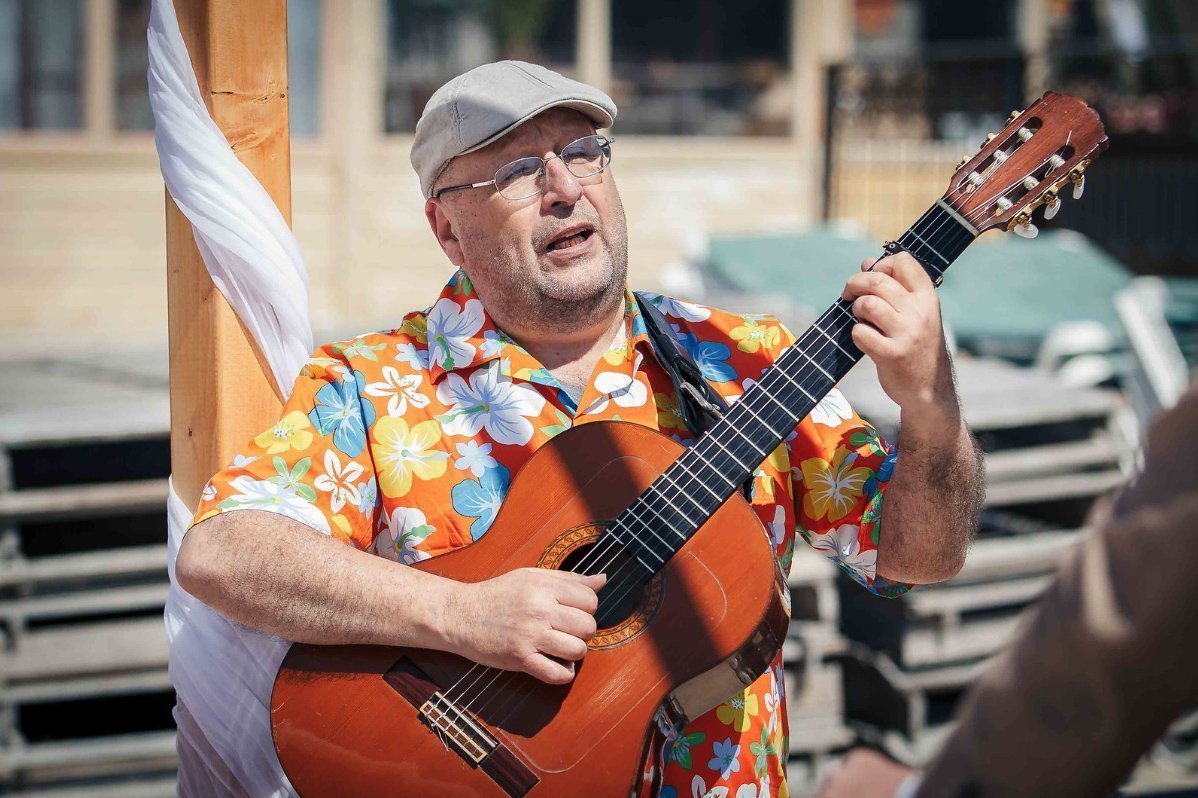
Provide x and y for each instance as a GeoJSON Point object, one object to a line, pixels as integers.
{"type": "Point", "coordinates": [700, 405]}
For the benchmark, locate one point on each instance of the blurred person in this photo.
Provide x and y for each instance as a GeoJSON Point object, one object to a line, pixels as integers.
{"type": "Point", "coordinates": [1105, 664]}
{"type": "Point", "coordinates": [399, 445]}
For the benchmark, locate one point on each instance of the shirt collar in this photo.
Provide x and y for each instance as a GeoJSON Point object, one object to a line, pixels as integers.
{"type": "Point", "coordinates": [462, 336]}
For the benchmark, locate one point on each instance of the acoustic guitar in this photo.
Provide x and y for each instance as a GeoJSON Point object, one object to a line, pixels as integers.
{"type": "Point", "coordinates": [695, 607]}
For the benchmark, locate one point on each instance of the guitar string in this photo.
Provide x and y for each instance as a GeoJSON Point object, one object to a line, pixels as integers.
{"type": "Point", "coordinates": [613, 546]}
{"type": "Point", "coordinates": [932, 234]}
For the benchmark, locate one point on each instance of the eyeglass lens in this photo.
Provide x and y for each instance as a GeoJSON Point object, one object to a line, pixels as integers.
{"type": "Point", "coordinates": [525, 177]}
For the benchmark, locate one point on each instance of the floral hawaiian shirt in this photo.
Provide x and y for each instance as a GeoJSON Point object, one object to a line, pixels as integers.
{"type": "Point", "coordinates": [403, 443]}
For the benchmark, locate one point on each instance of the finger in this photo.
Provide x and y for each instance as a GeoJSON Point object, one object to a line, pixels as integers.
{"type": "Point", "coordinates": [868, 263]}
{"type": "Point", "coordinates": [906, 269]}
{"type": "Point", "coordinates": [877, 312]}
{"type": "Point", "coordinates": [579, 595]}
{"type": "Point", "coordinates": [879, 284]}
{"type": "Point", "coordinates": [548, 670]}
{"type": "Point", "coordinates": [574, 622]}
{"type": "Point", "coordinates": [559, 644]}
{"type": "Point", "coordinates": [871, 342]}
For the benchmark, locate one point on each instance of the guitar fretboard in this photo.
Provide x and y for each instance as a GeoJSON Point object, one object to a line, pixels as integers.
{"type": "Point", "coordinates": [665, 516]}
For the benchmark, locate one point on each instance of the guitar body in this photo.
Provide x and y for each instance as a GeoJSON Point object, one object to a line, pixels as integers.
{"type": "Point", "coordinates": [359, 720]}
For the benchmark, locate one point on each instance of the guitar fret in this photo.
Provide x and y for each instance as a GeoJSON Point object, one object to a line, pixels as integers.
{"type": "Point", "coordinates": [932, 249]}
{"type": "Point", "coordinates": [701, 483]}
{"type": "Point", "coordinates": [760, 421]}
{"type": "Point", "coordinates": [835, 343]}
{"type": "Point", "coordinates": [817, 365]}
{"type": "Point", "coordinates": [666, 476]}
{"type": "Point", "coordinates": [717, 471]}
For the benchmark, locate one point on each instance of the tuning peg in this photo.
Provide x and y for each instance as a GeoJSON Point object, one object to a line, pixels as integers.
{"type": "Point", "coordinates": [1079, 184]}
{"type": "Point", "coordinates": [1023, 226]}
{"type": "Point", "coordinates": [1014, 115]}
{"type": "Point", "coordinates": [964, 160]}
{"type": "Point", "coordinates": [989, 138]}
{"type": "Point", "coordinates": [1052, 204]}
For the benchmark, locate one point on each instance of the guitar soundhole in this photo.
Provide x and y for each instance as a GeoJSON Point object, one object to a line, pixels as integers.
{"type": "Point", "coordinates": [631, 596]}
{"type": "Point", "coordinates": [626, 580]}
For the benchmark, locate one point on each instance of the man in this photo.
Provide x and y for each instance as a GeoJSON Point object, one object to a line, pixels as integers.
{"type": "Point", "coordinates": [402, 443]}
{"type": "Point", "coordinates": [1105, 665]}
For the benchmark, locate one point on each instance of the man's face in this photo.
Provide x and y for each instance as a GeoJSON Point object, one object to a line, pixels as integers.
{"type": "Point", "coordinates": [552, 262]}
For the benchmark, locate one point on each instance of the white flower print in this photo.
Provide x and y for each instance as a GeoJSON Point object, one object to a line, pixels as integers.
{"type": "Point", "coordinates": [275, 498]}
{"type": "Point", "coordinates": [841, 544]}
{"type": "Point", "coordinates": [832, 410]}
{"type": "Point", "coordinates": [624, 390]}
{"type": "Point", "coordinates": [449, 330]}
{"type": "Point", "coordinates": [241, 460]}
{"type": "Point", "coordinates": [209, 493]}
{"type": "Point", "coordinates": [474, 456]}
{"type": "Point", "coordinates": [778, 527]}
{"type": "Point", "coordinates": [699, 789]}
{"type": "Point", "coordinates": [402, 531]}
{"type": "Point", "coordinates": [748, 791]}
{"type": "Point", "coordinates": [681, 310]}
{"type": "Point", "coordinates": [493, 343]}
{"type": "Point", "coordinates": [412, 355]}
{"type": "Point", "coordinates": [489, 401]}
{"type": "Point", "coordinates": [399, 390]}
{"type": "Point", "coordinates": [338, 482]}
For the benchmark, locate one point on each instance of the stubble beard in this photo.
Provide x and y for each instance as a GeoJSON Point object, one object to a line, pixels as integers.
{"type": "Point", "coordinates": [553, 300]}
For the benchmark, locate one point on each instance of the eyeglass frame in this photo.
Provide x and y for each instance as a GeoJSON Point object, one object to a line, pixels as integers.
{"type": "Point", "coordinates": [606, 141]}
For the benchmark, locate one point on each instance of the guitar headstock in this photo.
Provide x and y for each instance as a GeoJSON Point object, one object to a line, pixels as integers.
{"type": "Point", "coordinates": [1039, 153]}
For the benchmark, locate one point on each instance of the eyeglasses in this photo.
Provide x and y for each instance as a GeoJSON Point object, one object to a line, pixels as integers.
{"type": "Point", "coordinates": [525, 177]}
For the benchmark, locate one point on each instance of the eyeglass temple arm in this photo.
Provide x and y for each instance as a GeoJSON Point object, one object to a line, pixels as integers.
{"type": "Point", "coordinates": [462, 187]}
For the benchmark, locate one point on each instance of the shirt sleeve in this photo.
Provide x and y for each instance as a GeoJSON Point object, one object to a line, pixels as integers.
{"type": "Point", "coordinates": [840, 470]}
{"type": "Point", "coordinates": [313, 464]}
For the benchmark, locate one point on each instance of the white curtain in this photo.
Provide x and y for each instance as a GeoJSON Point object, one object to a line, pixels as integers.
{"type": "Point", "coordinates": [222, 671]}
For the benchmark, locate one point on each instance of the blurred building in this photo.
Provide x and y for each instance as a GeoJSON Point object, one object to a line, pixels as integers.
{"type": "Point", "coordinates": [766, 114]}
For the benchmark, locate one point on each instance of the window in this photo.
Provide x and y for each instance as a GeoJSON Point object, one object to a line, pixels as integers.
{"type": "Point", "coordinates": [431, 41]}
{"type": "Point", "coordinates": [132, 61]}
{"type": "Point", "coordinates": [303, 65]}
{"type": "Point", "coordinates": [701, 68]}
{"type": "Point", "coordinates": [41, 54]}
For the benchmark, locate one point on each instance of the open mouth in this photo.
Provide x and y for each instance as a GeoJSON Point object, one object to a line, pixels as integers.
{"type": "Point", "coordinates": [570, 238]}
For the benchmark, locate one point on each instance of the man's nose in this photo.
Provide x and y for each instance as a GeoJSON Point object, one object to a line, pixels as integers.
{"type": "Point", "coordinates": [561, 186]}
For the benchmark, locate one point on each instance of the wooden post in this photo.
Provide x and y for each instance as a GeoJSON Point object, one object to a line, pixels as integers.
{"type": "Point", "coordinates": [593, 43]}
{"type": "Point", "coordinates": [222, 392]}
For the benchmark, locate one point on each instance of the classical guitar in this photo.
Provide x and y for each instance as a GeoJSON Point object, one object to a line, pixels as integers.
{"type": "Point", "coordinates": [669, 527]}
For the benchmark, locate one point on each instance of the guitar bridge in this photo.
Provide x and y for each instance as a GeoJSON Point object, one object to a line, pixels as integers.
{"type": "Point", "coordinates": [455, 727]}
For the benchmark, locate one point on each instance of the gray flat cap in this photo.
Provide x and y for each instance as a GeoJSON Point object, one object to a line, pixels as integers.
{"type": "Point", "coordinates": [484, 104]}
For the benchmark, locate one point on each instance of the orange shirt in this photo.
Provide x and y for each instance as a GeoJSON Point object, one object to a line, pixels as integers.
{"type": "Point", "coordinates": [403, 443]}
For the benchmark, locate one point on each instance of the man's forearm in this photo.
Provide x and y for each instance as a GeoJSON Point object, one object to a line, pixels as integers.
{"type": "Point", "coordinates": [278, 575]}
{"type": "Point", "coordinates": [934, 499]}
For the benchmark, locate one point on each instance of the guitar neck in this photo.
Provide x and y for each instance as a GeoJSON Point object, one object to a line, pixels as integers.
{"type": "Point", "coordinates": [664, 517]}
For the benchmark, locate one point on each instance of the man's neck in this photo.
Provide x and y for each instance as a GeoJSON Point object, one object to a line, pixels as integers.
{"type": "Point", "coordinates": [570, 357]}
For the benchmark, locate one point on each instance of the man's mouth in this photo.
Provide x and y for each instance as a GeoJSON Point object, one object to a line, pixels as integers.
{"type": "Point", "coordinates": [570, 238]}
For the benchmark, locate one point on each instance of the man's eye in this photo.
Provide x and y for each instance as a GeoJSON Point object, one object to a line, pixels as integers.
{"type": "Point", "coordinates": [521, 169]}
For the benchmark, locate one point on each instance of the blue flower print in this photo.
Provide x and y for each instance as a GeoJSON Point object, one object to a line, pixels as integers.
{"type": "Point", "coordinates": [725, 760]}
{"type": "Point", "coordinates": [339, 410]}
{"type": "Point", "coordinates": [884, 473]}
{"type": "Point", "coordinates": [711, 357]}
{"type": "Point", "coordinates": [480, 498]}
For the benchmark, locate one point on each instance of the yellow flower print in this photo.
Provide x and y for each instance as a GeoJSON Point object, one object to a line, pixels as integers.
{"type": "Point", "coordinates": [317, 366]}
{"type": "Point", "coordinates": [292, 431]}
{"type": "Point", "coordinates": [404, 453]}
{"type": "Point", "coordinates": [417, 327]}
{"type": "Point", "coordinates": [619, 353]}
{"type": "Point", "coordinates": [738, 711]}
{"type": "Point", "coordinates": [342, 530]}
{"type": "Point", "coordinates": [669, 413]}
{"type": "Point", "coordinates": [752, 335]}
{"type": "Point", "coordinates": [832, 489]}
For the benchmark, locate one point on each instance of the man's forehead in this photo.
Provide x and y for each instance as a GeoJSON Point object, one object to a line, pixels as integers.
{"type": "Point", "coordinates": [551, 128]}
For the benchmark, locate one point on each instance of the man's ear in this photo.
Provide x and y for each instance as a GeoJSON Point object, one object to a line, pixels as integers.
{"type": "Point", "coordinates": [442, 227]}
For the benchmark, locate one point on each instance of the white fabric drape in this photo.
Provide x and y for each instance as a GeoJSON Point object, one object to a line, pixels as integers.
{"type": "Point", "coordinates": [222, 671]}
